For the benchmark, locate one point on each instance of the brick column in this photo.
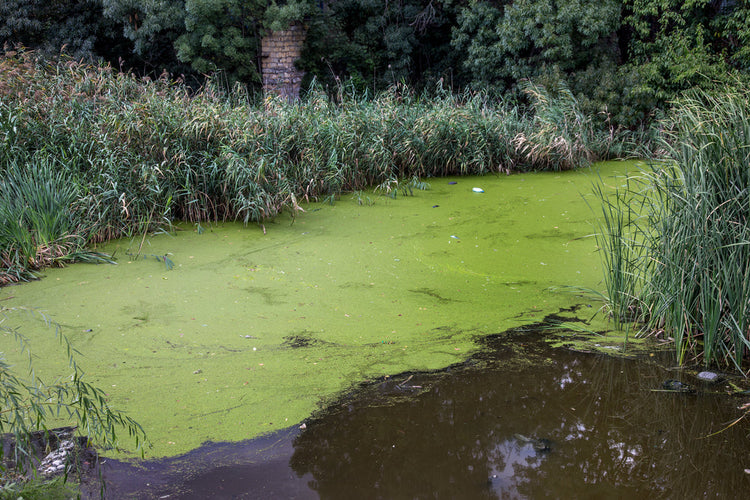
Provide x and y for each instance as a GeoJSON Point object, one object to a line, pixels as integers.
{"type": "Point", "coordinates": [279, 51]}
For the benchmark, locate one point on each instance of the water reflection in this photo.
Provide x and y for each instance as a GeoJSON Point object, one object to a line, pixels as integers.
{"type": "Point", "coordinates": [477, 432]}
{"type": "Point", "coordinates": [519, 420]}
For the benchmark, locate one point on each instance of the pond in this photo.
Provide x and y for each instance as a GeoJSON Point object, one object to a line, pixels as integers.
{"type": "Point", "coordinates": [249, 331]}
{"type": "Point", "coordinates": [517, 420]}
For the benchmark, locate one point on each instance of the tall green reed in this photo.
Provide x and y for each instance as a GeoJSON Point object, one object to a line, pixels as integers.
{"type": "Point", "coordinates": [706, 245]}
{"type": "Point", "coordinates": [143, 153]}
{"type": "Point", "coordinates": [621, 238]}
{"type": "Point", "coordinates": [692, 217]}
{"type": "Point", "coordinates": [36, 219]}
{"type": "Point", "coordinates": [560, 135]}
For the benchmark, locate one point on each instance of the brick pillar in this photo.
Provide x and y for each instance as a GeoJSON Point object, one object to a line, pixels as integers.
{"type": "Point", "coordinates": [279, 51]}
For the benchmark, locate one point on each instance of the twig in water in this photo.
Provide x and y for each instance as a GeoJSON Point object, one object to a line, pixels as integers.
{"type": "Point", "coordinates": [405, 381]}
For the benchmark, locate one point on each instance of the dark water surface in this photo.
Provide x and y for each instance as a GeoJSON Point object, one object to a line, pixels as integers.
{"type": "Point", "coordinates": [518, 420]}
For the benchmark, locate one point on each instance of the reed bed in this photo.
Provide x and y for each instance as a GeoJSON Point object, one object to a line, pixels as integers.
{"type": "Point", "coordinates": [108, 154]}
{"type": "Point", "coordinates": [678, 247]}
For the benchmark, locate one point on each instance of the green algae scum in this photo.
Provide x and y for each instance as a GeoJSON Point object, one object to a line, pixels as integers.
{"type": "Point", "coordinates": [248, 333]}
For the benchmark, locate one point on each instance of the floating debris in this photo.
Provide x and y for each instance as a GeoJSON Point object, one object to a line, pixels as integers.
{"type": "Point", "coordinates": [477, 190]}
{"type": "Point", "coordinates": [541, 445]}
{"type": "Point", "coordinates": [708, 377]}
{"type": "Point", "coordinates": [453, 182]}
{"type": "Point", "coordinates": [455, 237]}
{"type": "Point", "coordinates": [676, 386]}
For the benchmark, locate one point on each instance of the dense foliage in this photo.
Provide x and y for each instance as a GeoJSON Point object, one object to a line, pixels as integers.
{"type": "Point", "coordinates": [376, 43]}
{"type": "Point", "coordinates": [75, 26]}
{"type": "Point", "coordinates": [626, 58]}
{"type": "Point", "coordinates": [507, 42]}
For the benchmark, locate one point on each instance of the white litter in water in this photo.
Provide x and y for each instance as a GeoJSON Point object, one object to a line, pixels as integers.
{"type": "Point", "coordinates": [478, 190]}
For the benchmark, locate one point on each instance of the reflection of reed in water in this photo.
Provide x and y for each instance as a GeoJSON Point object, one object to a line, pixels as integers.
{"type": "Point", "coordinates": [660, 441]}
{"type": "Point", "coordinates": [470, 433]}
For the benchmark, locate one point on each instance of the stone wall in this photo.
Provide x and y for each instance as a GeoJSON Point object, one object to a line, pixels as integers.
{"type": "Point", "coordinates": [279, 51]}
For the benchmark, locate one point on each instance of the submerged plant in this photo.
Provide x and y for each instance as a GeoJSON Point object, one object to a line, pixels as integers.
{"type": "Point", "coordinates": [362, 199]}
{"type": "Point", "coordinates": [392, 187]}
{"type": "Point", "coordinates": [164, 259]}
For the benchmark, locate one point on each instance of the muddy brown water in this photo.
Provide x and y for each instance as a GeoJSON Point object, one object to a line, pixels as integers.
{"type": "Point", "coordinates": [517, 420]}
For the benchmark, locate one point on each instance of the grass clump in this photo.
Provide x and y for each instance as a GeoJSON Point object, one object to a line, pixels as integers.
{"type": "Point", "coordinates": [39, 226]}
{"type": "Point", "coordinates": [677, 248]}
{"type": "Point", "coordinates": [56, 489]}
